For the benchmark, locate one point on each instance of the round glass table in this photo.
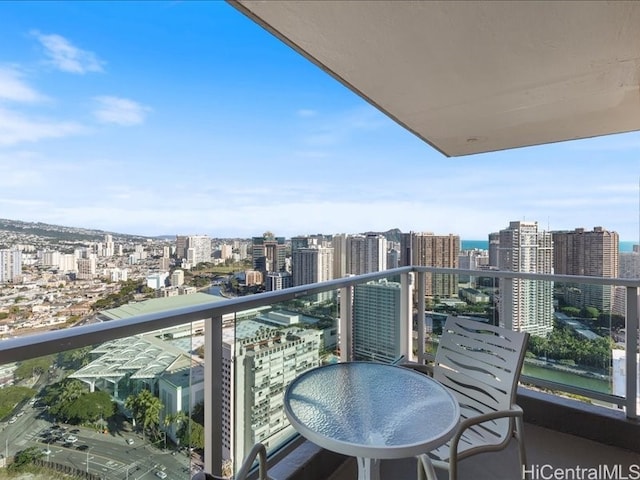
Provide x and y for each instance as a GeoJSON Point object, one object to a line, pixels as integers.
{"type": "Point", "coordinates": [371, 411]}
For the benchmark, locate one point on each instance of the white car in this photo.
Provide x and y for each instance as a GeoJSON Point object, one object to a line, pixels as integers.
{"type": "Point", "coordinates": [129, 441]}
{"type": "Point", "coordinates": [13, 419]}
{"type": "Point", "coordinates": [161, 474]}
{"type": "Point", "coordinates": [71, 439]}
{"type": "Point", "coordinates": [46, 451]}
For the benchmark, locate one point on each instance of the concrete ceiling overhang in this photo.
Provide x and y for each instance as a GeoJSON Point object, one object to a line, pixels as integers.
{"type": "Point", "coordinates": [471, 77]}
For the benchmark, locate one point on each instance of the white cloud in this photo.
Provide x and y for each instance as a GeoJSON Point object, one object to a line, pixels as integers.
{"type": "Point", "coordinates": [306, 112]}
{"type": "Point", "coordinates": [16, 128]}
{"type": "Point", "coordinates": [67, 57]}
{"type": "Point", "coordinates": [14, 89]}
{"type": "Point", "coordinates": [120, 111]}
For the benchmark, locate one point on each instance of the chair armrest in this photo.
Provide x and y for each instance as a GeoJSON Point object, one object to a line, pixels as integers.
{"type": "Point", "coordinates": [514, 411]}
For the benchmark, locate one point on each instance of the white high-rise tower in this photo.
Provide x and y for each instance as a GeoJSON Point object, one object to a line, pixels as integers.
{"type": "Point", "coordinates": [528, 305]}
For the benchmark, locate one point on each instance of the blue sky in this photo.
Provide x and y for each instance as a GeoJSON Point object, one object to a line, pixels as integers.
{"type": "Point", "coordinates": [187, 118]}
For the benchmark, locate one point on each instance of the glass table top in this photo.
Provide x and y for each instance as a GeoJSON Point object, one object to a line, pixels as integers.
{"type": "Point", "coordinates": [371, 410]}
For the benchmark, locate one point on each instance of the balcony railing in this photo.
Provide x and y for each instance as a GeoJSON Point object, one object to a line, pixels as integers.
{"type": "Point", "coordinates": [255, 345]}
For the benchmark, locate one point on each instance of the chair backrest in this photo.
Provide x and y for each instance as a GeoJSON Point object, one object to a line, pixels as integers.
{"type": "Point", "coordinates": [481, 365]}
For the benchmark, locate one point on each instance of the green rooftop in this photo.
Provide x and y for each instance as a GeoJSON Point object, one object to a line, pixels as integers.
{"type": "Point", "coordinates": [157, 305]}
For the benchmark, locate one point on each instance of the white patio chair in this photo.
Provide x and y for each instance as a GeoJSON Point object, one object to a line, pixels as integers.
{"type": "Point", "coordinates": [481, 365]}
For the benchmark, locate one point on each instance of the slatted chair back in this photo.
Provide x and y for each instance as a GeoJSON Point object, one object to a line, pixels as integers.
{"type": "Point", "coordinates": [481, 364]}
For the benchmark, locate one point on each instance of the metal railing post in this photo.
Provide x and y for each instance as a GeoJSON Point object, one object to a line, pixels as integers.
{"type": "Point", "coordinates": [631, 346]}
{"type": "Point", "coordinates": [213, 372]}
{"type": "Point", "coordinates": [406, 315]}
{"type": "Point", "coordinates": [345, 332]}
{"type": "Point", "coordinates": [420, 326]}
{"type": "Point", "coordinates": [505, 312]}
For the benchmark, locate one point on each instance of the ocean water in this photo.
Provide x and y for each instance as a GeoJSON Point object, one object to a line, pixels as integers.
{"type": "Point", "coordinates": [484, 245]}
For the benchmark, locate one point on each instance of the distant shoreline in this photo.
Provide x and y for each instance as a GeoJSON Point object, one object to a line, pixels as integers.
{"type": "Point", "coordinates": [625, 247]}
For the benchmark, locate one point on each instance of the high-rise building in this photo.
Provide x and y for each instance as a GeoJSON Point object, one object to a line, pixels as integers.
{"type": "Point", "coordinates": [528, 306]}
{"type": "Point", "coordinates": [377, 321]}
{"type": "Point", "coordinates": [200, 245]}
{"type": "Point", "coordinates": [629, 265]}
{"type": "Point", "coordinates": [181, 246]}
{"type": "Point", "coordinates": [87, 267]}
{"type": "Point", "coordinates": [109, 247]}
{"type": "Point", "coordinates": [49, 258]}
{"type": "Point", "coordinates": [68, 263]}
{"type": "Point", "coordinates": [269, 253]}
{"type": "Point", "coordinates": [311, 265]}
{"type": "Point", "coordinates": [10, 265]}
{"type": "Point", "coordinates": [494, 245]}
{"type": "Point", "coordinates": [592, 254]}
{"type": "Point", "coordinates": [258, 362]}
{"type": "Point", "coordinates": [277, 280]}
{"type": "Point", "coordinates": [177, 278]}
{"type": "Point", "coordinates": [429, 250]}
{"type": "Point", "coordinates": [339, 244]}
{"type": "Point", "coordinates": [366, 253]}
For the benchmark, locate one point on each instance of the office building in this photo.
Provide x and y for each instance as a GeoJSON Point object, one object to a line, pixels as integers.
{"type": "Point", "coordinates": [588, 253]}
{"type": "Point", "coordinates": [528, 305]}
{"type": "Point", "coordinates": [157, 280]}
{"type": "Point", "coordinates": [181, 246]}
{"type": "Point", "coordinates": [278, 281]}
{"type": "Point", "coordinates": [269, 253]}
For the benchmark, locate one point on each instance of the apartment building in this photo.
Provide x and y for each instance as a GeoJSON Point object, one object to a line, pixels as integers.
{"type": "Point", "coordinates": [587, 253]}
{"type": "Point", "coordinates": [528, 305]}
{"type": "Point", "coordinates": [429, 250]}
{"type": "Point", "coordinates": [259, 361]}
{"type": "Point", "coordinates": [377, 321]}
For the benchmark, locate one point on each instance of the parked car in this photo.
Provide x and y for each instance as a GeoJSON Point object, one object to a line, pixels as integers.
{"type": "Point", "coordinates": [130, 441]}
{"type": "Point", "coordinates": [161, 474]}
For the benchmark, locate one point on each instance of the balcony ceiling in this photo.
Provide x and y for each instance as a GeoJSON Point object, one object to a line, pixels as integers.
{"type": "Point", "coordinates": [471, 77]}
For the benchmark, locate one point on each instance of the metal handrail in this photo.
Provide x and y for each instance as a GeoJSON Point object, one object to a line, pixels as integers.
{"type": "Point", "coordinates": [22, 348]}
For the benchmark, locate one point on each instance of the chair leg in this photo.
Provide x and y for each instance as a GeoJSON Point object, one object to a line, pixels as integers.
{"type": "Point", "coordinates": [425, 468]}
{"type": "Point", "coordinates": [522, 454]}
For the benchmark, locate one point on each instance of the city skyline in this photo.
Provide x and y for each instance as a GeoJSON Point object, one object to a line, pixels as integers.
{"type": "Point", "coordinates": [164, 118]}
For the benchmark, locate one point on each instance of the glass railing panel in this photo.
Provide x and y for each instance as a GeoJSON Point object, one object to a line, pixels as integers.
{"type": "Point", "coordinates": [585, 340]}
{"type": "Point", "coordinates": [264, 349]}
{"type": "Point", "coordinates": [474, 296]}
{"type": "Point", "coordinates": [113, 410]}
{"type": "Point", "coordinates": [577, 330]}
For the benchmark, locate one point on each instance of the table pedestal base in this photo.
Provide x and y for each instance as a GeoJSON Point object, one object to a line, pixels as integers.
{"type": "Point", "coordinates": [368, 468]}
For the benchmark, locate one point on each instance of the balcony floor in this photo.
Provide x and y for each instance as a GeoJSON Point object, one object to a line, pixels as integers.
{"type": "Point", "coordinates": [544, 447]}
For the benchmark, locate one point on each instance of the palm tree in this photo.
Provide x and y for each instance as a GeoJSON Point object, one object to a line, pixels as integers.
{"type": "Point", "coordinates": [145, 409]}
{"type": "Point", "coordinates": [179, 418]}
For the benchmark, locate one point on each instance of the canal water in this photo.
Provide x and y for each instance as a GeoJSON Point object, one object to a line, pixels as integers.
{"type": "Point", "coordinates": [568, 378]}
